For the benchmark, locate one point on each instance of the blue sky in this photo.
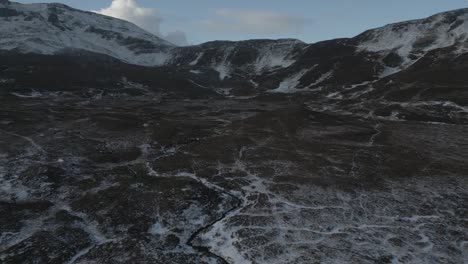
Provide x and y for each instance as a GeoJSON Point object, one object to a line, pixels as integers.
{"type": "Point", "coordinates": [308, 20]}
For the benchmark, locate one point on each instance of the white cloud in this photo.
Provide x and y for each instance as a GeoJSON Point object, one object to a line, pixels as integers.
{"type": "Point", "coordinates": [253, 21]}
{"type": "Point", "coordinates": [147, 18]}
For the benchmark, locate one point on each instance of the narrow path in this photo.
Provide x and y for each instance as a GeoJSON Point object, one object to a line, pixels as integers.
{"type": "Point", "coordinates": [360, 152]}
{"type": "Point", "coordinates": [375, 135]}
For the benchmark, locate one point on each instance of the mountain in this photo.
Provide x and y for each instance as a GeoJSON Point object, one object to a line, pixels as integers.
{"type": "Point", "coordinates": [403, 70]}
{"type": "Point", "coordinates": [406, 42]}
{"type": "Point", "coordinates": [384, 51]}
{"type": "Point", "coordinates": [393, 53]}
{"type": "Point", "coordinates": [119, 147]}
{"type": "Point", "coordinates": [56, 28]}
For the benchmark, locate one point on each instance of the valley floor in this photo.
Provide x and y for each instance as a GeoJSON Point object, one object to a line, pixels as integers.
{"type": "Point", "coordinates": [260, 180]}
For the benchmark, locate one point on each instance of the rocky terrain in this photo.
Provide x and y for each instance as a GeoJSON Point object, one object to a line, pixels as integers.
{"type": "Point", "coordinates": [133, 150]}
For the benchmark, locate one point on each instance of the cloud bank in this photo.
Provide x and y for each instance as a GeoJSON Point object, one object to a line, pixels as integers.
{"type": "Point", "coordinates": [147, 18]}
{"type": "Point", "coordinates": [253, 21]}
{"type": "Point", "coordinates": [224, 20]}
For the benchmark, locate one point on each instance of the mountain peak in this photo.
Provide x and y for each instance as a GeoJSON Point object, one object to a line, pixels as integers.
{"type": "Point", "coordinates": [55, 28]}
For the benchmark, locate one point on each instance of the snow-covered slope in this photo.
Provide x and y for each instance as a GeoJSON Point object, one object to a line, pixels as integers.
{"type": "Point", "coordinates": [55, 28]}
{"type": "Point", "coordinates": [257, 55]}
{"type": "Point", "coordinates": [378, 53]}
{"type": "Point", "coordinates": [413, 39]}
{"type": "Point", "coordinates": [252, 57]}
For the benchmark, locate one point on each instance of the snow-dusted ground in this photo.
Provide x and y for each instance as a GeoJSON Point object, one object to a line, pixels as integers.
{"type": "Point", "coordinates": [261, 183]}
{"type": "Point", "coordinates": [294, 220]}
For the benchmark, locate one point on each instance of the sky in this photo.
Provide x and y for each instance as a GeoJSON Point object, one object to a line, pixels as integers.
{"type": "Point", "coordinates": [196, 21]}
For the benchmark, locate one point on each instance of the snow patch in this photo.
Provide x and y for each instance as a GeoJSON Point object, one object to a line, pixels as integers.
{"type": "Point", "coordinates": [195, 62]}
{"type": "Point", "coordinates": [32, 94]}
{"type": "Point", "coordinates": [290, 85]}
{"type": "Point", "coordinates": [197, 84]}
{"type": "Point", "coordinates": [321, 79]}
{"type": "Point", "coordinates": [269, 61]}
{"type": "Point", "coordinates": [253, 83]}
{"type": "Point", "coordinates": [224, 244]}
{"type": "Point", "coordinates": [158, 229]}
{"type": "Point", "coordinates": [223, 70]}
{"type": "Point", "coordinates": [335, 95]}
{"type": "Point", "coordinates": [276, 55]}
{"type": "Point", "coordinates": [223, 91]}
{"type": "Point", "coordinates": [196, 72]}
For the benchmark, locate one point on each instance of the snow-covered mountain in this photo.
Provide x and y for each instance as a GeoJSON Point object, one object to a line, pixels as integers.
{"type": "Point", "coordinates": [55, 28]}
{"type": "Point", "coordinates": [52, 29]}
{"type": "Point", "coordinates": [406, 42]}
{"type": "Point", "coordinates": [243, 67]}
{"type": "Point", "coordinates": [375, 54]}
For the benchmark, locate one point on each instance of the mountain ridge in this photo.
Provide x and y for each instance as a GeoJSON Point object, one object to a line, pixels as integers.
{"type": "Point", "coordinates": [153, 51]}
{"type": "Point", "coordinates": [394, 63]}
